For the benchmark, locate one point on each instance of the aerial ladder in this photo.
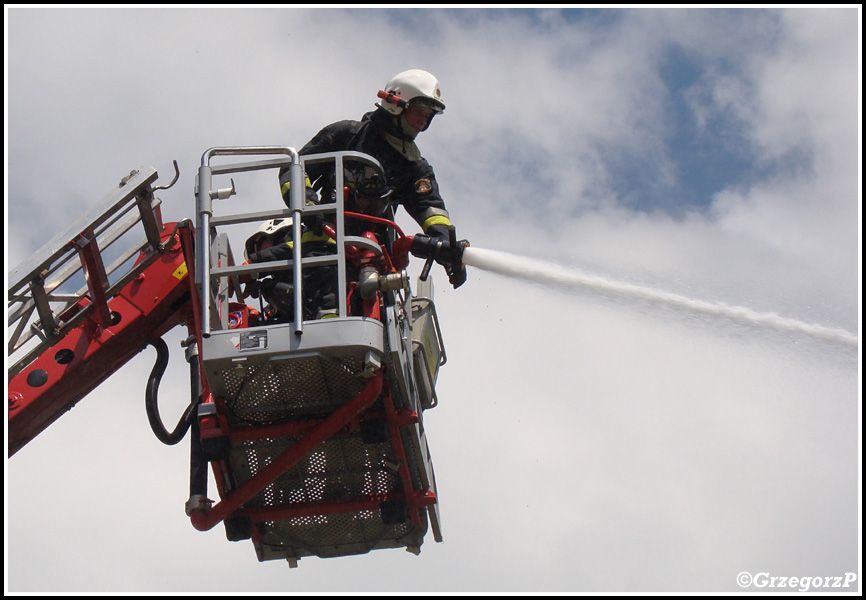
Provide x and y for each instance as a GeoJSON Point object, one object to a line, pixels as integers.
{"type": "Point", "coordinates": [312, 429]}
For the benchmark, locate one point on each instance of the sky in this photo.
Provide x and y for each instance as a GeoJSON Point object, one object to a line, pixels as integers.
{"type": "Point", "coordinates": [584, 441]}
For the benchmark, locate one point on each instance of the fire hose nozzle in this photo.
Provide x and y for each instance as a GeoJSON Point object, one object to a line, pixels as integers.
{"type": "Point", "coordinates": [447, 253]}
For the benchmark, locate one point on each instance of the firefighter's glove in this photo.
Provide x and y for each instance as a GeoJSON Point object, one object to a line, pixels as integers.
{"type": "Point", "coordinates": [266, 287]}
{"type": "Point", "coordinates": [252, 289]}
{"type": "Point", "coordinates": [315, 224]}
{"type": "Point", "coordinates": [455, 268]}
{"type": "Point", "coordinates": [457, 277]}
{"type": "Point", "coordinates": [279, 294]}
{"type": "Point", "coordinates": [261, 287]}
{"type": "Point", "coordinates": [447, 252]}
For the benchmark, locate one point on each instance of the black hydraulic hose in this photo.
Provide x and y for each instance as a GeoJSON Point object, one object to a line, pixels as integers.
{"type": "Point", "coordinates": [151, 405]}
{"type": "Point", "coordinates": [197, 461]}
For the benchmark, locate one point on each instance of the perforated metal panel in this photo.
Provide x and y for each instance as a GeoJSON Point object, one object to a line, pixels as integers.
{"type": "Point", "coordinates": [342, 467]}
{"type": "Point", "coordinates": [326, 536]}
{"type": "Point", "coordinates": [277, 390]}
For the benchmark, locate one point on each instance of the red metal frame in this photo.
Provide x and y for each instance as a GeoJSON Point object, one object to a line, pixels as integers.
{"type": "Point", "coordinates": [313, 433]}
{"type": "Point", "coordinates": [111, 335]}
{"type": "Point", "coordinates": [164, 296]}
{"type": "Point", "coordinates": [206, 519]}
{"type": "Point", "coordinates": [400, 451]}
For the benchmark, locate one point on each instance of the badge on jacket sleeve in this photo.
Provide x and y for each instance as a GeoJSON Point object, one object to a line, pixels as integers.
{"type": "Point", "coordinates": [423, 186]}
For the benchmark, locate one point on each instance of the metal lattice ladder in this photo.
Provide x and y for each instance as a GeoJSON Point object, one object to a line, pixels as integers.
{"type": "Point", "coordinates": [41, 308]}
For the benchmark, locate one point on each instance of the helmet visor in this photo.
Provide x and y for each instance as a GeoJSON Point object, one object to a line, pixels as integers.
{"type": "Point", "coordinates": [427, 104]}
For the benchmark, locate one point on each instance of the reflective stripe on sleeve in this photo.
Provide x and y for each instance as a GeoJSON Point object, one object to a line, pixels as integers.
{"type": "Point", "coordinates": [436, 220]}
{"type": "Point", "coordinates": [309, 236]}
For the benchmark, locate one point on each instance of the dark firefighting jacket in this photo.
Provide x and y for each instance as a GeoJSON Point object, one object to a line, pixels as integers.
{"type": "Point", "coordinates": [412, 183]}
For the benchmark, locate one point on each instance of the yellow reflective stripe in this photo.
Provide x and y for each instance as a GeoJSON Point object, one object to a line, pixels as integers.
{"type": "Point", "coordinates": [284, 189]}
{"type": "Point", "coordinates": [309, 236]}
{"type": "Point", "coordinates": [437, 220]}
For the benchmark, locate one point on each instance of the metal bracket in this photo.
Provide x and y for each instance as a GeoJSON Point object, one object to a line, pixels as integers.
{"type": "Point", "coordinates": [173, 181]}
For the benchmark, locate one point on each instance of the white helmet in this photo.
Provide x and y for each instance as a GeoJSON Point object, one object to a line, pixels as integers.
{"type": "Point", "coordinates": [413, 86]}
{"type": "Point", "coordinates": [268, 229]}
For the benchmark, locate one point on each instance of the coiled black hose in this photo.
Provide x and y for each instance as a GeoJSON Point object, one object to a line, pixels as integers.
{"type": "Point", "coordinates": [150, 400]}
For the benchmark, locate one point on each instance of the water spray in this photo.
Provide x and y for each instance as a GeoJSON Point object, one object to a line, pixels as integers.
{"type": "Point", "coordinates": [547, 273]}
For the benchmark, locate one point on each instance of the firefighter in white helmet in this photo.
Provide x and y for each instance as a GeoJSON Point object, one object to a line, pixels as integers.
{"type": "Point", "coordinates": [269, 233]}
{"type": "Point", "coordinates": [406, 107]}
{"type": "Point", "coordinates": [272, 241]}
